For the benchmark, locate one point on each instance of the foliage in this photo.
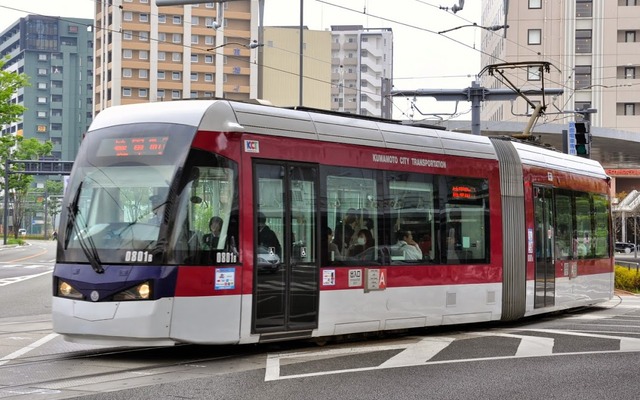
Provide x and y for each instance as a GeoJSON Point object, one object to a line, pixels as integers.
{"type": "Point", "coordinates": [18, 148]}
{"type": "Point", "coordinates": [627, 279]}
{"type": "Point", "coordinates": [10, 82]}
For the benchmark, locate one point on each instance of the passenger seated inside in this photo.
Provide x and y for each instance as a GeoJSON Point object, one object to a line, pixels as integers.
{"type": "Point", "coordinates": [364, 247]}
{"type": "Point", "coordinates": [409, 249]}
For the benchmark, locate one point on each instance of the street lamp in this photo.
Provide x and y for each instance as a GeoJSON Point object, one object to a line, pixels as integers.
{"type": "Point", "coordinates": [492, 28]}
{"type": "Point", "coordinates": [254, 44]}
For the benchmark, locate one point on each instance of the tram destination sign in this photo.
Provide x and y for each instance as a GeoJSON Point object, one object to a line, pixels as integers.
{"type": "Point", "coordinates": [132, 146]}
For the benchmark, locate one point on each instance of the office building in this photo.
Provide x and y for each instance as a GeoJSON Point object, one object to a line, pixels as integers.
{"type": "Point", "coordinates": [594, 49]}
{"type": "Point", "coordinates": [57, 55]}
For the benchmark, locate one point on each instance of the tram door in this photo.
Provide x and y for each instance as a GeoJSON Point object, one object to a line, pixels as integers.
{"type": "Point", "coordinates": [545, 280]}
{"type": "Point", "coordinates": [287, 247]}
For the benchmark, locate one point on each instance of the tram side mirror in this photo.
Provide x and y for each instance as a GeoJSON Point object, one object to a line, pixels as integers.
{"type": "Point", "coordinates": [196, 199]}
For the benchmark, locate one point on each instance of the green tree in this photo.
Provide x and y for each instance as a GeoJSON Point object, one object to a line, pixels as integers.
{"type": "Point", "coordinates": [10, 82]}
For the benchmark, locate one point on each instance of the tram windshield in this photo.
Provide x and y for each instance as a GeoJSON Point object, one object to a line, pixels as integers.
{"type": "Point", "coordinates": [162, 203]}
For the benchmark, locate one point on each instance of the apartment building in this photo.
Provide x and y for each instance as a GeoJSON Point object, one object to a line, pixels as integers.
{"type": "Point", "coordinates": [57, 55]}
{"type": "Point", "coordinates": [148, 53]}
{"type": "Point", "coordinates": [362, 70]}
{"type": "Point", "coordinates": [594, 49]}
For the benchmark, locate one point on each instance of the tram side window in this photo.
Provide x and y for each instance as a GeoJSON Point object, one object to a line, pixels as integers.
{"type": "Point", "coordinates": [600, 242]}
{"type": "Point", "coordinates": [564, 226]}
{"type": "Point", "coordinates": [351, 212]}
{"type": "Point", "coordinates": [411, 227]}
{"type": "Point", "coordinates": [466, 221]}
{"type": "Point", "coordinates": [584, 225]}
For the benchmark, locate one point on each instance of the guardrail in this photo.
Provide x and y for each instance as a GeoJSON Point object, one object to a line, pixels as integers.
{"type": "Point", "coordinates": [629, 264]}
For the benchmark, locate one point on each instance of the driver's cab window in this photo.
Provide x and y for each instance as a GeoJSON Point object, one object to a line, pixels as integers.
{"type": "Point", "coordinates": [206, 215]}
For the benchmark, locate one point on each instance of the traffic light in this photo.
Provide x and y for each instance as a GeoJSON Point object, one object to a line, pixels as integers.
{"type": "Point", "coordinates": [583, 139]}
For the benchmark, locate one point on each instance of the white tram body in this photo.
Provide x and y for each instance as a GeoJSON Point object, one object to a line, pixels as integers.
{"type": "Point", "coordinates": [505, 208]}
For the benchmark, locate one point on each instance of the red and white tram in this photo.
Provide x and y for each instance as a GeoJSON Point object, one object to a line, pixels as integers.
{"type": "Point", "coordinates": [209, 222]}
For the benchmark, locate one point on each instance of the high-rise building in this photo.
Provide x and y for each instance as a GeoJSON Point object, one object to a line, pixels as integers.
{"type": "Point", "coordinates": [594, 49]}
{"type": "Point", "coordinates": [362, 70]}
{"type": "Point", "coordinates": [57, 55]}
{"type": "Point", "coordinates": [148, 53]}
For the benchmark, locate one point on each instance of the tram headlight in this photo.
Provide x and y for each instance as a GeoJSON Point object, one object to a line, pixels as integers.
{"type": "Point", "coordinates": [66, 290]}
{"type": "Point", "coordinates": [139, 292]}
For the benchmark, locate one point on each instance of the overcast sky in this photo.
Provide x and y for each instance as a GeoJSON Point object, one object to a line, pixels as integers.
{"type": "Point", "coordinates": [423, 59]}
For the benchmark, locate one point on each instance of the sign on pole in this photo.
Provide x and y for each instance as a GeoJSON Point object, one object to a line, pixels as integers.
{"type": "Point", "coordinates": [571, 139]}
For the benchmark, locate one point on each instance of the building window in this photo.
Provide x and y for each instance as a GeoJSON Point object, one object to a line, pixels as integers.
{"type": "Point", "coordinates": [42, 100]}
{"type": "Point", "coordinates": [582, 77]}
{"type": "Point", "coordinates": [630, 73]}
{"type": "Point", "coordinates": [177, 57]}
{"type": "Point", "coordinates": [127, 35]}
{"type": "Point", "coordinates": [208, 40]}
{"type": "Point", "coordinates": [162, 37]}
{"type": "Point", "coordinates": [630, 36]}
{"type": "Point", "coordinates": [208, 59]}
{"type": "Point", "coordinates": [208, 77]}
{"type": "Point", "coordinates": [535, 3]}
{"type": "Point", "coordinates": [42, 85]}
{"type": "Point", "coordinates": [534, 36]}
{"type": "Point", "coordinates": [160, 94]}
{"type": "Point", "coordinates": [143, 17]}
{"type": "Point", "coordinates": [194, 58]}
{"type": "Point", "coordinates": [195, 39]}
{"type": "Point", "coordinates": [583, 41]}
{"type": "Point", "coordinates": [160, 75]}
{"type": "Point", "coordinates": [176, 75]}
{"type": "Point", "coordinates": [42, 114]}
{"type": "Point", "coordinates": [42, 57]}
{"type": "Point", "coordinates": [142, 93]}
{"type": "Point", "coordinates": [175, 94]}
{"type": "Point", "coordinates": [584, 8]}
{"type": "Point", "coordinates": [533, 74]}
{"type": "Point", "coordinates": [127, 73]}
{"type": "Point", "coordinates": [632, 2]}
{"type": "Point", "coordinates": [194, 76]}
{"type": "Point", "coordinates": [195, 20]}
{"type": "Point", "coordinates": [127, 16]}
{"type": "Point", "coordinates": [126, 92]}
{"type": "Point", "coordinates": [143, 55]}
{"type": "Point", "coordinates": [177, 20]}
{"type": "Point", "coordinates": [176, 38]}
{"type": "Point", "coordinates": [143, 73]}
{"type": "Point", "coordinates": [162, 19]}
{"type": "Point", "coordinates": [193, 94]}
{"type": "Point", "coordinates": [162, 56]}
{"type": "Point", "coordinates": [42, 71]}
{"type": "Point", "coordinates": [143, 36]}
{"type": "Point", "coordinates": [629, 109]}
{"type": "Point", "coordinates": [208, 94]}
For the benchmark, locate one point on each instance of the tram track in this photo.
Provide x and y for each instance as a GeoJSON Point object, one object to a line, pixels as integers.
{"type": "Point", "coordinates": [171, 363]}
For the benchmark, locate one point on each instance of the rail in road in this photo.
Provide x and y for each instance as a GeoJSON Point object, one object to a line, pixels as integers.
{"type": "Point", "coordinates": [34, 361]}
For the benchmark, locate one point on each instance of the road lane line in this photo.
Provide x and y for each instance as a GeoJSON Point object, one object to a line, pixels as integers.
{"type": "Point", "coordinates": [27, 349]}
{"type": "Point", "coordinates": [9, 281]}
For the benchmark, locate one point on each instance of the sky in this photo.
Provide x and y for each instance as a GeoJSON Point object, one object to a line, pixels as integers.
{"type": "Point", "coordinates": [423, 59]}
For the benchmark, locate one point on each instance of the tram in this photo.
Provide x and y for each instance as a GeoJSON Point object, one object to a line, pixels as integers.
{"type": "Point", "coordinates": [222, 222]}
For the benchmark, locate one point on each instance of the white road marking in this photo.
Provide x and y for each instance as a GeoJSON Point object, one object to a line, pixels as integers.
{"type": "Point", "coordinates": [16, 279]}
{"type": "Point", "coordinates": [420, 352]}
{"type": "Point", "coordinates": [27, 349]}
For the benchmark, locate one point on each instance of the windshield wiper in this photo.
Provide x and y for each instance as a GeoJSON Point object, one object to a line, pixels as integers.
{"type": "Point", "coordinates": [86, 244]}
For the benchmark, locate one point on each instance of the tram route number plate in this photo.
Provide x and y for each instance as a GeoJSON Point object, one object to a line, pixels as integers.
{"type": "Point", "coordinates": [376, 279]}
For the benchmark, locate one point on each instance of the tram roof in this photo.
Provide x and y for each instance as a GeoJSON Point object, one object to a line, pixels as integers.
{"type": "Point", "coordinates": [232, 116]}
